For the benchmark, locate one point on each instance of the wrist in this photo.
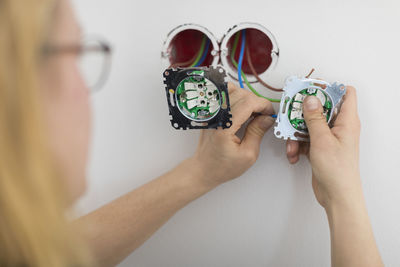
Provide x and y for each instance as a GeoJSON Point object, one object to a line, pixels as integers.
{"type": "Point", "coordinates": [197, 175]}
{"type": "Point", "coordinates": [338, 189]}
{"type": "Point", "coordinates": [347, 201]}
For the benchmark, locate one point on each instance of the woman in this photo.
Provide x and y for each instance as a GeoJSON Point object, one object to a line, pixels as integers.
{"type": "Point", "coordinates": [44, 137]}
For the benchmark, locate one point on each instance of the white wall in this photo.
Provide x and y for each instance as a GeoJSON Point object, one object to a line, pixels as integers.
{"type": "Point", "coordinates": [268, 217]}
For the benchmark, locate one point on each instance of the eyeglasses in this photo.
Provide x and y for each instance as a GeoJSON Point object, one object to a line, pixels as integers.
{"type": "Point", "coordinates": [94, 61]}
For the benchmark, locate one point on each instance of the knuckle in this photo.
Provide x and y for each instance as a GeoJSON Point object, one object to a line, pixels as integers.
{"type": "Point", "coordinates": [265, 102]}
{"type": "Point", "coordinates": [267, 105]}
{"type": "Point", "coordinates": [232, 90]}
{"type": "Point", "coordinates": [219, 135]}
{"type": "Point", "coordinates": [235, 97]}
{"type": "Point", "coordinates": [261, 101]}
{"type": "Point", "coordinates": [315, 118]}
{"type": "Point", "coordinates": [251, 156]}
{"type": "Point", "coordinates": [247, 98]}
{"type": "Point", "coordinates": [242, 92]}
{"type": "Point", "coordinates": [231, 87]}
{"type": "Point", "coordinates": [256, 102]}
{"type": "Point", "coordinates": [248, 95]}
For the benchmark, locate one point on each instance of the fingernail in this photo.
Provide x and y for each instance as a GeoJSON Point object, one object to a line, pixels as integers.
{"type": "Point", "coordinates": [311, 103]}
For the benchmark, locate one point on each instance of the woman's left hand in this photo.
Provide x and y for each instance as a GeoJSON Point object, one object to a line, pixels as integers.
{"type": "Point", "coordinates": [221, 154]}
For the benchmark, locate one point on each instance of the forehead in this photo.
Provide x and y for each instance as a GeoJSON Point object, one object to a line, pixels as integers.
{"type": "Point", "coordinates": [65, 27]}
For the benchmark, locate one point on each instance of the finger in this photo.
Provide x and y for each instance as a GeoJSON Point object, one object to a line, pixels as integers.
{"type": "Point", "coordinates": [292, 148]}
{"type": "Point", "coordinates": [304, 148]}
{"type": "Point", "coordinates": [246, 107]}
{"type": "Point", "coordinates": [315, 120]}
{"type": "Point", "coordinates": [255, 132]}
{"type": "Point", "coordinates": [348, 115]}
{"type": "Point", "coordinates": [295, 149]}
{"type": "Point", "coordinates": [292, 151]}
{"type": "Point", "coordinates": [294, 159]}
{"type": "Point", "coordinates": [232, 88]}
{"type": "Point", "coordinates": [234, 94]}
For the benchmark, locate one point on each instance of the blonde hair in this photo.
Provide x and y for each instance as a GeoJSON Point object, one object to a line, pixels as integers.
{"type": "Point", "coordinates": [33, 228]}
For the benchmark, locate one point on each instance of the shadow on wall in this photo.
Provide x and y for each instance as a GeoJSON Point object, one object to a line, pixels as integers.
{"type": "Point", "coordinates": [305, 221]}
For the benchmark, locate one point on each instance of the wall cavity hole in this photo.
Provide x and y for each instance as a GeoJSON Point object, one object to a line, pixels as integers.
{"type": "Point", "coordinates": [260, 47]}
{"type": "Point", "coordinates": [185, 47]}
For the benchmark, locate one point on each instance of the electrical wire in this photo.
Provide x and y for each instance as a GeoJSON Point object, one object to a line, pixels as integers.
{"type": "Point", "coordinates": [311, 72]}
{"type": "Point", "coordinates": [255, 74]}
{"type": "Point", "coordinates": [204, 56]}
{"type": "Point", "coordinates": [234, 47]}
{"type": "Point", "coordinates": [184, 64]}
{"type": "Point", "coordinates": [199, 55]}
{"type": "Point", "coordinates": [241, 55]}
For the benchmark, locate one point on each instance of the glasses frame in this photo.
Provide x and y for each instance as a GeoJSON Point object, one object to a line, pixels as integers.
{"type": "Point", "coordinates": [86, 46]}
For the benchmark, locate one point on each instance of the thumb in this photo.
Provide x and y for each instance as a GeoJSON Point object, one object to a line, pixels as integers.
{"type": "Point", "coordinates": [255, 131]}
{"type": "Point", "coordinates": [315, 120]}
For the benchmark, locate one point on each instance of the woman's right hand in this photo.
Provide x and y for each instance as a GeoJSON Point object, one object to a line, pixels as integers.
{"type": "Point", "coordinates": [221, 154]}
{"type": "Point", "coordinates": [333, 153]}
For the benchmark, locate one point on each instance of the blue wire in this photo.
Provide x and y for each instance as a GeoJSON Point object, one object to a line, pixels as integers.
{"type": "Point", "coordinates": [203, 57]}
{"type": "Point", "coordinates": [274, 116]}
{"type": "Point", "coordinates": [241, 58]}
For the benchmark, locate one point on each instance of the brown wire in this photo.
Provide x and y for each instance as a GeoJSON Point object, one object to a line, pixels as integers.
{"type": "Point", "coordinates": [253, 70]}
{"type": "Point", "coordinates": [183, 64]}
{"type": "Point", "coordinates": [311, 72]}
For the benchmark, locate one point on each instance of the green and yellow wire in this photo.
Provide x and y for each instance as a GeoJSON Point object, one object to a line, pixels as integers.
{"type": "Point", "coordinates": [203, 44]}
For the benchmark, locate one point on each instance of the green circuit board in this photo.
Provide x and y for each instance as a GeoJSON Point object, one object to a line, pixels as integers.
{"type": "Point", "coordinates": [198, 98]}
{"type": "Point", "coordinates": [295, 111]}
